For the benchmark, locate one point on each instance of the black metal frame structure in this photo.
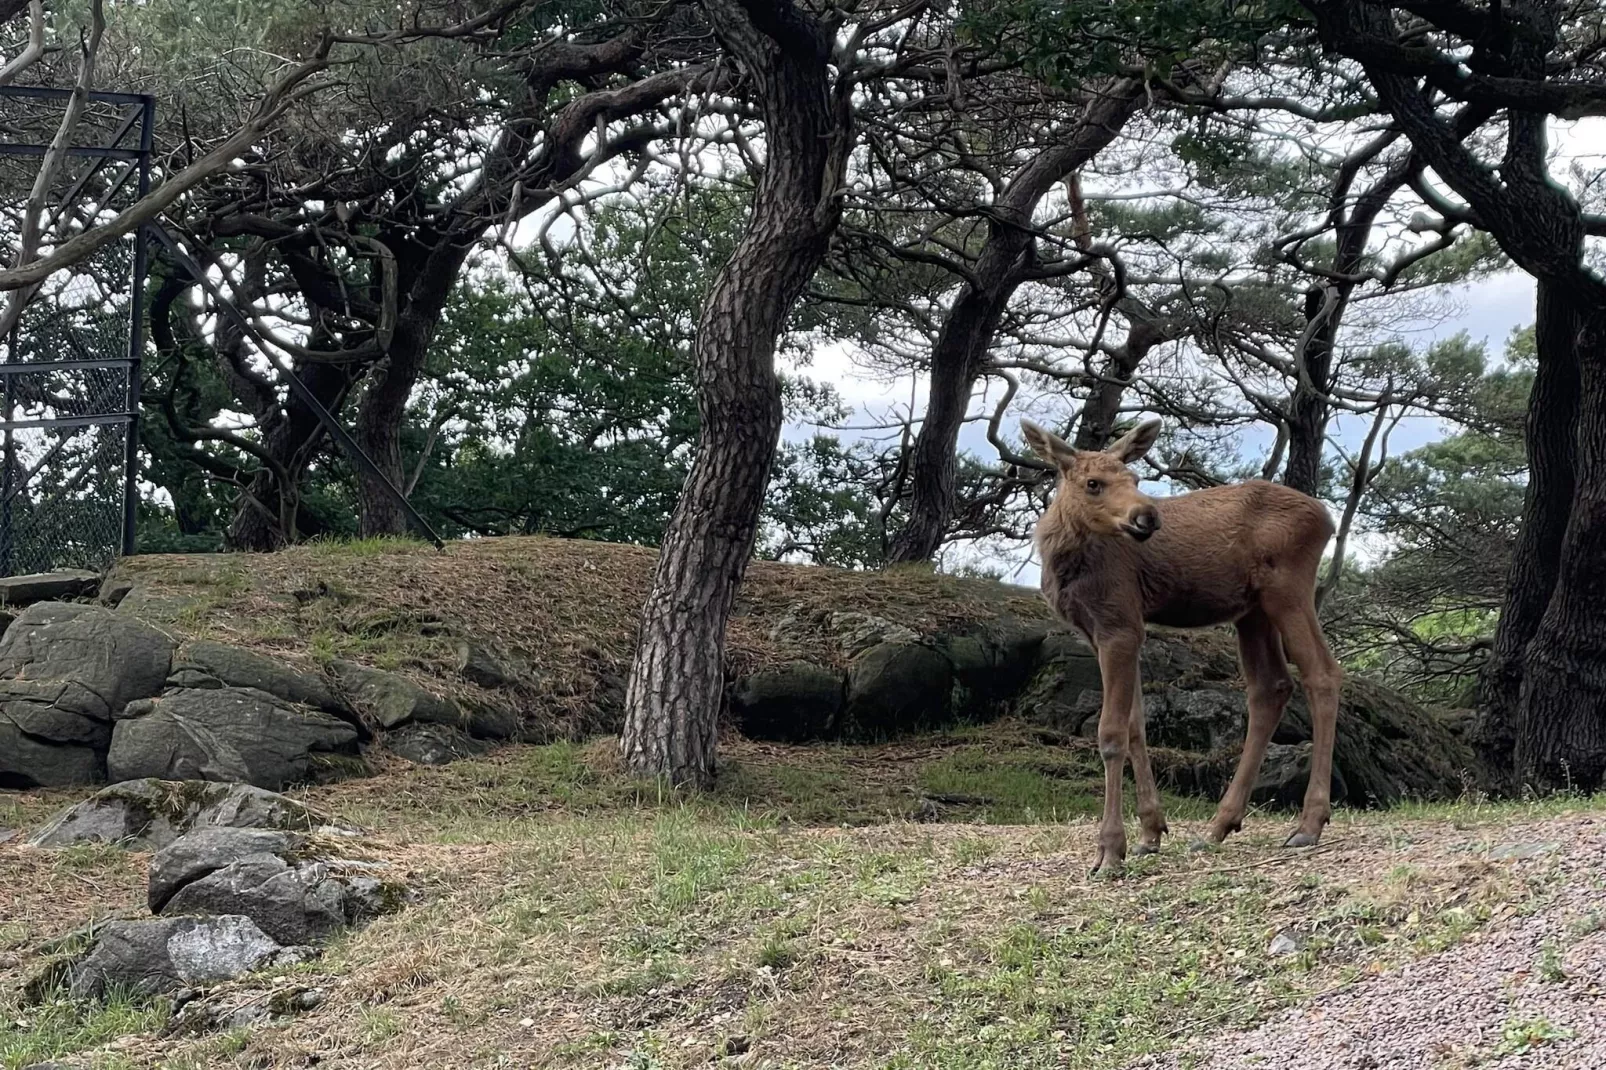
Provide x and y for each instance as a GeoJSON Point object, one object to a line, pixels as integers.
{"type": "Point", "coordinates": [74, 391]}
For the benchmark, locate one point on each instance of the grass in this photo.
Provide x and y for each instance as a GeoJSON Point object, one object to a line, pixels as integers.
{"type": "Point", "coordinates": [62, 1027]}
{"type": "Point", "coordinates": [797, 916]}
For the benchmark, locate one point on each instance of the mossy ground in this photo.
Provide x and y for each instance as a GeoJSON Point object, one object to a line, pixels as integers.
{"type": "Point", "coordinates": [821, 907]}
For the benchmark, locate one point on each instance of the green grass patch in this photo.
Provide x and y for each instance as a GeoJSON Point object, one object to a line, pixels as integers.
{"type": "Point", "coordinates": [63, 1027]}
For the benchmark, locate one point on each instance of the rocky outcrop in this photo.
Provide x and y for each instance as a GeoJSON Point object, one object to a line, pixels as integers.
{"type": "Point", "coordinates": [230, 900]}
{"type": "Point", "coordinates": [433, 744]}
{"type": "Point", "coordinates": [791, 703]}
{"type": "Point", "coordinates": [147, 815]}
{"type": "Point", "coordinates": [230, 734]}
{"type": "Point", "coordinates": [294, 891]}
{"type": "Point", "coordinates": [204, 664]}
{"type": "Point", "coordinates": [1388, 748]}
{"type": "Point", "coordinates": [66, 671]}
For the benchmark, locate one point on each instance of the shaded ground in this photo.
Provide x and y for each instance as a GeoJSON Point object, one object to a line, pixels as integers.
{"type": "Point", "coordinates": [799, 919]}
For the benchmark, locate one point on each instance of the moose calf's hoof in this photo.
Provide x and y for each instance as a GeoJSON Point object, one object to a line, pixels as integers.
{"type": "Point", "coordinates": [1302, 839]}
{"type": "Point", "coordinates": [1198, 845]}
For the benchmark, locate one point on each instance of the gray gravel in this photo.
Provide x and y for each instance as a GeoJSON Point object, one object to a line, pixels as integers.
{"type": "Point", "coordinates": [1464, 1007]}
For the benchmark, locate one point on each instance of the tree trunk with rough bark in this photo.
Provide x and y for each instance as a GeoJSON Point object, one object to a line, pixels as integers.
{"type": "Point", "coordinates": [383, 408]}
{"type": "Point", "coordinates": [1551, 434]}
{"type": "Point", "coordinates": [675, 693]}
{"type": "Point", "coordinates": [1560, 734]}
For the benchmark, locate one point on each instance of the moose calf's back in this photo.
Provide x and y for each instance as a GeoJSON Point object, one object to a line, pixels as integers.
{"type": "Point", "coordinates": [1216, 552]}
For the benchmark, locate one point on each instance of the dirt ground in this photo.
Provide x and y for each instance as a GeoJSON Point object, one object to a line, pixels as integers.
{"type": "Point", "coordinates": [644, 933]}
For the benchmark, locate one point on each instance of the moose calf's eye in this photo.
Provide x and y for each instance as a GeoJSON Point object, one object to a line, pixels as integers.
{"type": "Point", "coordinates": [1094, 486]}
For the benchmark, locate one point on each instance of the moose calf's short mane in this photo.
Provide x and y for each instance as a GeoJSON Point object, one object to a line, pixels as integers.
{"type": "Point", "coordinates": [1115, 559]}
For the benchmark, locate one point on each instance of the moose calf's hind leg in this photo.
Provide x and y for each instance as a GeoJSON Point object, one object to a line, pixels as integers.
{"type": "Point", "coordinates": [1265, 671]}
{"type": "Point", "coordinates": [1151, 815]}
{"type": "Point", "coordinates": [1324, 679]}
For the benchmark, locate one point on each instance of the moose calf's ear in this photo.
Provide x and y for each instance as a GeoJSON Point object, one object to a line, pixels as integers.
{"type": "Point", "coordinates": [1045, 444]}
{"type": "Point", "coordinates": [1136, 442]}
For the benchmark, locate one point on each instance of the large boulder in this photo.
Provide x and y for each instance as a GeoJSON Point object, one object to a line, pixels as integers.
{"type": "Point", "coordinates": [66, 670]}
{"type": "Point", "coordinates": [1388, 748]}
{"type": "Point", "coordinates": [1067, 671]}
{"type": "Point", "coordinates": [231, 666]}
{"type": "Point", "coordinates": [47, 586]}
{"type": "Point", "coordinates": [791, 703]}
{"type": "Point", "coordinates": [278, 880]}
{"type": "Point", "coordinates": [229, 734]}
{"type": "Point", "coordinates": [992, 662]}
{"type": "Point", "coordinates": [389, 701]}
{"type": "Point", "coordinates": [147, 815]}
{"type": "Point", "coordinates": [1202, 719]}
{"type": "Point", "coordinates": [894, 688]}
{"type": "Point", "coordinates": [159, 956]}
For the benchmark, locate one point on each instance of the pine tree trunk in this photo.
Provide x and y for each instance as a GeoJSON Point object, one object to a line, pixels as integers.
{"type": "Point", "coordinates": [673, 700]}
{"type": "Point", "coordinates": [960, 352]}
{"type": "Point", "coordinates": [1096, 421]}
{"type": "Point", "coordinates": [1551, 435]}
{"type": "Point", "coordinates": [956, 360]}
{"type": "Point", "coordinates": [1561, 722]}
{"type": "Point", "coordinates": [383, 408]}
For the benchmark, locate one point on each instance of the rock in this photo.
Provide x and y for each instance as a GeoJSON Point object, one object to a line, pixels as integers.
{"type": "Point", "coordinates": [162, 955]}
{"type": "Point", "coordinates": [66, 670]}
{"type": "Point", "coordinates": [26, 762]}
{"type": "Point", "coordinates": [1204, 719]}
{"type": "Point", "coordinates": [1285, 944]}
{"type": "Point", "coordinates": [477, 664]}
{"type": "Point", "coordinates": [7, 835]}
{"type": "Point", "coordinates": [484, 718]}
{"type": "Point", "coordinates": [857, 632]}
{"type": "Point", "coordinates": [790, 703]}
{"type": "Point", "coordinates": [1520, 851]}
{"type": "Point", "coordinates": [235, 667]}
{"type": "Point", "coordinates": [47, 586]}
{"type": "Point", "coordinates": [1388, 749]}
{"type": "Point", "coordinates": [897, 687]}
{"type": "Point", "coordinates": [147, 815]}
{"type": "Point", "coordinates": [433, 744]}
{"type": "Point", "coordinates": [234, 1008]}
{"type": "Point", "coordinates": [1285, 774]}
{"type": "Point", "coordinates": [227, 734]}
{"type": "Point", "coordinates": [992, 662]}
{"type": "Point", "coordinates": [390, 700]}
{"type": "Point", "coordinates": [281, 881]}
{"type": "Point", "coordinates": [142, 602]}
{"type": "Point", "coordinates": [1067, 669]}
{"type": "Point", "coordinates": [293, 904]}
{"type": "Point", "coordinates": [205, 850]}
{"type": "Point", "coordinates": [112, 592]}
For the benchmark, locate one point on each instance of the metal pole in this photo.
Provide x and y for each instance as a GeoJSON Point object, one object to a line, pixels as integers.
{"type": "Point", "coordinates": [9, 460]}
{"type": "Point", "coordinates": [136, 336]}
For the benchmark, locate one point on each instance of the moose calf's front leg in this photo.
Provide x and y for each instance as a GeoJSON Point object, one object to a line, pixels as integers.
{"type": "Point", "coordinates": [1118, 665]}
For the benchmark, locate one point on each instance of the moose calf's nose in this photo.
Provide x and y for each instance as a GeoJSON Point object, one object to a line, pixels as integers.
{"type": "Point", "coordinates": [1145, 522]}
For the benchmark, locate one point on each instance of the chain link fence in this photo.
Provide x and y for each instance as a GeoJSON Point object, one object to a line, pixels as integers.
{"type": "Point", "coordinates": [69, 369]}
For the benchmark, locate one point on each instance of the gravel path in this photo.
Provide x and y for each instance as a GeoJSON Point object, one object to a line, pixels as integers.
{"type": "Point", "coordinates": [1496, 1002]}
